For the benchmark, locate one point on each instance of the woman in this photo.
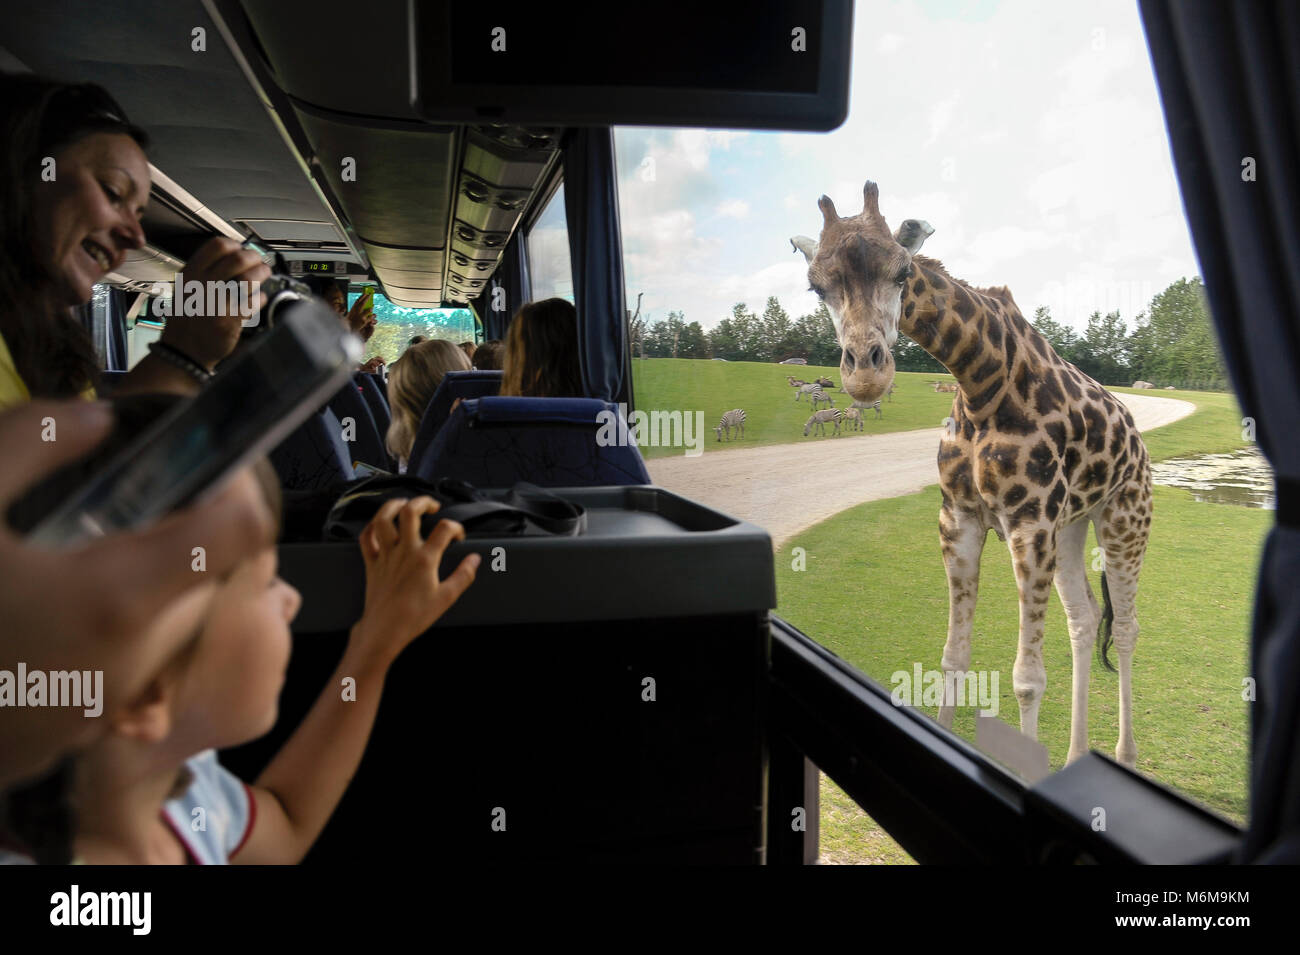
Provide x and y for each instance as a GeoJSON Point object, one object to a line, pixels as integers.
{"type": "Point", "coordinates": [73, 184]}
{"type": "Point", "coordinates": [541, 359]}
{"type": "Point", "coordinates": [74, 187]}
{"type": "Point", "coordinates": [412, 380]}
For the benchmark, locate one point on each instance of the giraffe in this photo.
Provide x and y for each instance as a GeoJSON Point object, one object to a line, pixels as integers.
{"type": "Point", "coordinates": [1034, 450]}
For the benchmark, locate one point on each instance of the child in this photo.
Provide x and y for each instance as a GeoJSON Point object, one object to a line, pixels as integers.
{"type": "Point", "coordinates": [141, 795]}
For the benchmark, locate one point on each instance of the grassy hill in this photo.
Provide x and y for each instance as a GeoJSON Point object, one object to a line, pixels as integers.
{"type": "Point", "coordinates": [772, 414]}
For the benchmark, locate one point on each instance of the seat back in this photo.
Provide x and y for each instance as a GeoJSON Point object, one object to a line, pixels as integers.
{"type": "Point", "coordinates": [552, 442]}
{"type": "Point", "coordinates": [455, 384]}
{"type": "Point", "coordinates": [365, 441]}
{"type": "Point", "coordinates": [374, 391]}
{"type": "Point", "coordinates": [314, 456]}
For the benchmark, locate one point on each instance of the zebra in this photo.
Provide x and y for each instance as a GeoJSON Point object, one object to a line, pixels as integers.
{"type": "Point", "coordinates": [864, 405]}
{"type": "Point", "coordinates": [852, 415]}
{"type": "Point", "coordinates": [820, 418]}
{"type": "Point", "coordinates": [807, 388]}
{"type": "Point", "coordinates": [735, 418]}
{"type": "Point", "coordinates": [819, 396]}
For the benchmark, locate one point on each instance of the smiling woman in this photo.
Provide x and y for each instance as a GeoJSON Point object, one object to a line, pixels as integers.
{"type": "Point", "coordinates": [74, 182]}
{"type": "Point", "coordinates": [73, 188]}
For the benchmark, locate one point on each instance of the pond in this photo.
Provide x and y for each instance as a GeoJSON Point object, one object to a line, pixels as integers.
{"type": "Point", "coordinates": [1236, 477]}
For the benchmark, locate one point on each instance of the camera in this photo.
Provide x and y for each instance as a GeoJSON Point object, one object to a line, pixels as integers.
{"type": "Point", "coordinates": [281, 292]}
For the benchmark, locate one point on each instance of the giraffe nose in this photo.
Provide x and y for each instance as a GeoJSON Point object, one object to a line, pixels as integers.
{"type": "Point", "coordinates": [874, 359]}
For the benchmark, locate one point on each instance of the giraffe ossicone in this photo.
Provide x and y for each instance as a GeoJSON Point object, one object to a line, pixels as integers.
{"type": "Point", "coordinates": [1037, 450]}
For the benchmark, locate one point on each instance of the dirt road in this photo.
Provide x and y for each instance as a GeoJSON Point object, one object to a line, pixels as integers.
{"type": "Point", "coordinates": [786, 488]}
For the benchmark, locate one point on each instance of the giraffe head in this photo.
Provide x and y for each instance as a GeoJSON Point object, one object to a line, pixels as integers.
{"type": "Point", "coordinates": [860, 270]}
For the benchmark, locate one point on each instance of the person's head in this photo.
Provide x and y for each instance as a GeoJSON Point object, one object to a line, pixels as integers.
{"type": "Point", "coordinates": [415, 340]}
{"type": "Point", "coordinates": [75, 181]}
{"type": "Point", "coordinates": [541, 352]}
{"type": "Point", "coordinates": [468, 349]}
{"type": "Point", "coordinates": [330, 290]}
{"type": "Point", "coordinates": [220, 688]}
{"type": "Point", "coordinates": [488, 356]}
{"type": "Point", "coordinates": [412, 380]}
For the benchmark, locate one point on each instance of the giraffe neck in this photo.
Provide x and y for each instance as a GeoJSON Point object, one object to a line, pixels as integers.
{"type": "Point", "coordinates": [978, 337]}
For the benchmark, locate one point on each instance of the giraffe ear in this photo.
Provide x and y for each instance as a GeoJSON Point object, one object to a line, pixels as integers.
{"type": "Point", "coordinates": [912, 234]}
{"type": "Point", "coordinates": [805, 245]}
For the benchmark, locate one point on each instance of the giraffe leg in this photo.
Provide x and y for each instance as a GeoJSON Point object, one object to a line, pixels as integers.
{"type": "Point", "coordinates": [1082, 616]}
{"type": "Point", "coordinates": [1123, 538]}
{"type": "Point", "coordinates": [962, 534]}
{"type": "Point", "coordinates": [1033, 553]}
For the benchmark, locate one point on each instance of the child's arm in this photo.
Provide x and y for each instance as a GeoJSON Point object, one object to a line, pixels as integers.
{"type": "Point", "coordinates": [298, 791]}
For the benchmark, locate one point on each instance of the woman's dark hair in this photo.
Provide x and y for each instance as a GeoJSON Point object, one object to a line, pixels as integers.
{"type": "Point", "coordinates": [541, 355]}
{"type": "Point", "coordinates": [488, 356]}
{"type": "Point", "coordinates": [52, 353]}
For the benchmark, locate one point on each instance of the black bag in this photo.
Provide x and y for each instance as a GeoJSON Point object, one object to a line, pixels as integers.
{"type": "Point", "coordinates": [524, 511]}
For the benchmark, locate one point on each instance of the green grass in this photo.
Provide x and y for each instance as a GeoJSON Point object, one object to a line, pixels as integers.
{"type": "Point", "coordinates": [772, 416]}
{"type": "Point", "coordinates": [1193, 606]}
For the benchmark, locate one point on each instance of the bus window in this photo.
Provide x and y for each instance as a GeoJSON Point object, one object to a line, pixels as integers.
{"type": "Point", "coordinates": [1043, 200]}
{"type": "Point", "coordinates": [396, 326]}
{"type": "Point", "coordinates": [549, 267]}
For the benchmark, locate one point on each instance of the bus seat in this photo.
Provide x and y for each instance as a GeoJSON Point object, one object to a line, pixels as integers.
{"type": "Point", "coordinates": [375, 393]}
{"type": "Point", "coordinates": [314, 456]}
{"type": "Point", "coordinates": [552, 442]}
{"type": "Point", "coordinates": [455, 384]}
{"type": "Point", "coordinates": [367, 444]}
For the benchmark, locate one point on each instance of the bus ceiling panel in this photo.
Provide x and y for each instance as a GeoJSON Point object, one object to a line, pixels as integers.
{"type": "Point", "coordinates": [294, 230]}
{"type": "Point", "coordinates": [322, 53]}
{"type": "Point", "coordinates": [208, 130]}
{"type": "Point", "coordinates": [721, 64]}
{"type": "Point", "coordinates": [408, 260]}
{"type": "Point", "coordinates": [394, 184]}
{"type": "Point", "coordinates": [410, 283]}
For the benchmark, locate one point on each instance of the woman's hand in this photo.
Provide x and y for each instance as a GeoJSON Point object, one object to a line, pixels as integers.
{"type": "Point", "coordinates": [209, 338]}
{"type": "Point", "coordinates": [374, 365]}
{"type": "Point", "coordinates": [403, 593]}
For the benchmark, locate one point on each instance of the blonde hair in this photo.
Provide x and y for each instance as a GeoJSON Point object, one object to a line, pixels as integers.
{"type": "Point", "coordinates": [412, 380]}
{"type": "Point", "coordinates": [541, 354]}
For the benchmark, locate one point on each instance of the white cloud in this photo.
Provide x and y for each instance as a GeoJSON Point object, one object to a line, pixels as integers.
{"type": "Point", "coordinates": [733, 209]}
{"type": "Point", "coordinates": [889, 44]}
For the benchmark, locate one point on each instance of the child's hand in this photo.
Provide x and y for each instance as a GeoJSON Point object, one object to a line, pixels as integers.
{"type": "Point", "coordinates": [403, 594]}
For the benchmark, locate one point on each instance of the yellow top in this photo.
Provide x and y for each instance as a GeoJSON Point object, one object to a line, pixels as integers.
{"type": "Point", "coordinates": [13, 390]}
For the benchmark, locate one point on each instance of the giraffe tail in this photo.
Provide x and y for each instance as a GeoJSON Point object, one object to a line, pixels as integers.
{"type": "Point", "coordinates": [1107, 619]}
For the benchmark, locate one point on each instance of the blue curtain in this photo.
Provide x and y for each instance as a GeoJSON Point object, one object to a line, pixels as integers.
{"type": "Point", "coordinates": [1229, 78]}
{"type": "Point", "coordinates": [596, 251]}
{"type": "Point", "coordinates": [511, 276]}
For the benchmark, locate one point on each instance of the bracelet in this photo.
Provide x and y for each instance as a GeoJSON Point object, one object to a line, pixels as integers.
{"type": "Point", "coordinates": [174, 356]}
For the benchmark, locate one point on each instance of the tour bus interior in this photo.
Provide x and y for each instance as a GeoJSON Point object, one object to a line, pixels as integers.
{"type": "Point", "coordinates": [329, 139]}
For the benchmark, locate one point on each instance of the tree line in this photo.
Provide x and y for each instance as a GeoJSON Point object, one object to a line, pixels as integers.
{"type": "Point", "coordinates": [1172, 341]}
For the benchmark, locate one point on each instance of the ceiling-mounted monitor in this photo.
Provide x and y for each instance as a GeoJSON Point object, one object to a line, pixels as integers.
{"type": "Point", "coordinates": [770, 64]}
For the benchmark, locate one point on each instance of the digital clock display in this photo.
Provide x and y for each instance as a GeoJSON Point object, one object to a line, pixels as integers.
{"type": "Point", "coordinates": [318, 266]}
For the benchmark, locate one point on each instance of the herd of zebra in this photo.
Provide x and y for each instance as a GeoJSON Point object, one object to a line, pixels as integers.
{"type": "Point", "coordinates": [816, 392]}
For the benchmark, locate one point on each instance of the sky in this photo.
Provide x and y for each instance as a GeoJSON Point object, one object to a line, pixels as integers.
{"type": "Point", "coordinates": [1028, 134]}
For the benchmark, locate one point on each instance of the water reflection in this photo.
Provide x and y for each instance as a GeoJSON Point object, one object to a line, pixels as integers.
{"type": "Point", "coordinates": [1238, 477]}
